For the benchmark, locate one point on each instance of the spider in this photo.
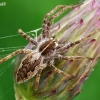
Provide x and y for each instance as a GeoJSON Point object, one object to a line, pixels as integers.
{"type": "Point", "coordinates": [47, 50]}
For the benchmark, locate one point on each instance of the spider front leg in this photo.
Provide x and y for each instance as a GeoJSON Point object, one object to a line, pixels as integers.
{"type": "Point", "coordinates": [47, 22]}
{"type": "Point", "coordinates": [23, 51]}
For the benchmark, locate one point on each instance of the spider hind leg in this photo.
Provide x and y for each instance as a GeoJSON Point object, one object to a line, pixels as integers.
{"type": "Point", "coordinates": [24, 51]}
{"type": "Point", "coordinates": [37, 80]}
{"type": "Point", "coordinates": [66, 75]}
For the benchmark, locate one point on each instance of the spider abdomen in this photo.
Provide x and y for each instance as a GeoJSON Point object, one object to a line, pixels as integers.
{"type": "Point", "coordinates": [29, 67]}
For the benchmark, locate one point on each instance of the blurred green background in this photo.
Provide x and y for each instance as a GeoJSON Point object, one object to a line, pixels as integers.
{"type": "Point", "coordinates": [28, 15]}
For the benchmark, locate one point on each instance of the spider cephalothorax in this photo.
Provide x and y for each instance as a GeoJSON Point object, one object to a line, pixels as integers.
{"type": "Point", "coordinates": [46, 50]}
{"type": "Point", "coordinates": [47, 46]}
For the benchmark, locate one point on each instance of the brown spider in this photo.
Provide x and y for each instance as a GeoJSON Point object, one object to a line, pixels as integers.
{"type": "Point", "coordinates": [47, 49]}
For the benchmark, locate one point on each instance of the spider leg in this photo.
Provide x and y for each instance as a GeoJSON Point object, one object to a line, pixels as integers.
{"type": "Point", "coordinates": [68, 45]}
{"type": "Point", "coordinates": [38, 76]}
{"type": "Point", "coordinates": [47, 22]}
{"type": "Point", "coordinates": [61, 72]}
{"type": "Point", "coordinates": [75, 57]}
{"type": "Point", "coordinates": [72, 57]}
{"type": "Point", "coordinates": [27, 37]}
{"type": "Point", "coordinates": [37, 80]}
{"type": "Point", "coordinates": [24, 51]}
